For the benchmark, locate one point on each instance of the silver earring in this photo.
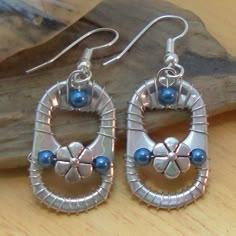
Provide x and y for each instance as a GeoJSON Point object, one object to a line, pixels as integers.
{"type": "Point", "coordinates": [74, 162]}
{"type": "Point", "coordinates": [167, 90]}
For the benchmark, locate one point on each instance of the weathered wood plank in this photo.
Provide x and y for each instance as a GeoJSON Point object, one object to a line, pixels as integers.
{"type": "Point", "coordinates": [208, 66]}
{"type": "Point", "coordinates": [27, 23]}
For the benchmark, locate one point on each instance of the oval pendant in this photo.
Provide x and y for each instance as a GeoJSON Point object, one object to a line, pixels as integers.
{"type": "Point", "coordinates": [171, 157]}
{"type": "Point", "coordinates": [73, 161]}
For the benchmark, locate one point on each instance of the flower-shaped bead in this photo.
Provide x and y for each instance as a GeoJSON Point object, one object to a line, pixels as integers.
{"type": "Point", "coordinates": [171, 158]}
{"type": "Point", "coordinates": [74, 162]}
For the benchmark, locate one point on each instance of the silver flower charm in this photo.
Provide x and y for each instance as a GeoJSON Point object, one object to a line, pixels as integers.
{"type": "Point", "coordinates": [171, 158]}
{"type": "Point", "coordinates": [74, 162]}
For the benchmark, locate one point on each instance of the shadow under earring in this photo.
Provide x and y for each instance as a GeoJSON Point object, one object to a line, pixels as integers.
{"type": "Point", "coordinates": [171, 157]}
{"type": "Point", "coordinates": [74, 161]}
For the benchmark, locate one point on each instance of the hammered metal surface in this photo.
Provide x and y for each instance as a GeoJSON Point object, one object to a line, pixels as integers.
{"type": "Point", "coordinates": [146, 97]}
{"type": "Point", "coordinates": [103, 144]}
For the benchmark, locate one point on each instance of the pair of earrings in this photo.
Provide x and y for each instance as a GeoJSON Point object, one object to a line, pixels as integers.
{"type": "Point", "coordinates": [167, 90]}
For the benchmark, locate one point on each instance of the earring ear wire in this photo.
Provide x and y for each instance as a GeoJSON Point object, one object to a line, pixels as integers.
{"type": "Point", "coordinates": [88, 51]}
{"type": "Point", "coordinates": [167, 90]}
{"type": "Point", "coordinates": [74, 161]}
{"type": "Point", "coordinates": [170, 42]}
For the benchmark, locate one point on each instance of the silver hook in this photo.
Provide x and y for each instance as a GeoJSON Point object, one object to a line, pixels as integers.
{"type": "Point", "coordinates": [170, 41]}
{"type": "Point", "coordinates": [88, 51]}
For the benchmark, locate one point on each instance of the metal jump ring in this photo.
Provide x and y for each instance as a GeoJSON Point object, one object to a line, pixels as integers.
{"type": "Point", "coordinates": [75, 79]}
{"type": "Point", "coordinates": [169, 81]}
{"type": "Point", "coordinates": [165, 69]}
{"type": "Point", "coordinates": [176, 75]}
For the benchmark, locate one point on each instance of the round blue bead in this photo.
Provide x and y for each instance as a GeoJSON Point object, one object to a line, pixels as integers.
{"type": "Point", "coordinates": [78, 98]}
{"type": "Point", "coordinates": [167, 96]}
{"type": "Point", "coordinates": [46, 158]}
{"type": "Point", "coordinates": [198, 156]}
{"type": "Point", "coordinates": [101, 164]}
{"type": "Point", "coordinates": [142, 156]}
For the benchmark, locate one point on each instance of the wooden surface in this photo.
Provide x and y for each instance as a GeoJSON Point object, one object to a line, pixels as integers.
{"type": "Point", "coordinates": [207, 65]}
{"type": "Point", "coordinates": [27, 23]}
{"type": "Point", "coordinates": [215, 214]}
{"type": "Point", "coordinates": [122, 214]}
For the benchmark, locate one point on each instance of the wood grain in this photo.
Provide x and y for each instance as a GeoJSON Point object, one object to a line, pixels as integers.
{"type": "Point", "coordinates": [217, 15]}
{"type": "Point", "coordinates": [27, 23]}
{"type": "Point", "coordinates": [207, 64]}
{"type": "Point", "coordinates": [214, 214]}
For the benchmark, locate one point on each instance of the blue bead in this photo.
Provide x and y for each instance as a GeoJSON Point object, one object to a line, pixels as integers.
{"type": "Point", "coordinates": [78, 98]}
{"type": "Point", "coordinates": [46, 158]}
{"type": "Point", "coordinates": [198, 156]}
{"type": "Point", "coordinates": [101, 164]}
{"type": "Point", "coordinates": [142, 156]}
{"type": "Point", "coordinates": [167, 96]}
